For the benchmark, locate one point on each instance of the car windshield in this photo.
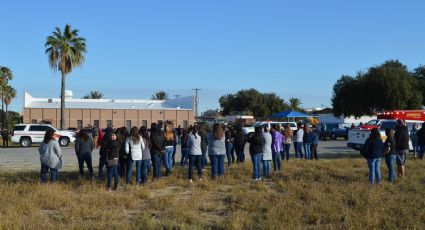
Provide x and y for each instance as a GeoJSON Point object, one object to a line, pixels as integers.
{"type": "Point", "coordinates": [372, 122]}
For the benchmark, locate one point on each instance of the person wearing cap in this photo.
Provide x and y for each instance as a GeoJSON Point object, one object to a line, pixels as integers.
{"type": "Point", "coordinates": [401, 137]}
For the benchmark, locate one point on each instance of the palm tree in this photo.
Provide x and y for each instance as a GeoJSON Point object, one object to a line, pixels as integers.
{"type": "Point", "coordinates": [9, 95]}
{"type": "Point", "coordinates": [94, 95]}
{"type": "Point", "coordinates": [5, 76]}
{"type": "Point", "coordinates": [294, 103]}
{"type": "Point", "coordinates": [65, 52]}
{"type": "Point", "coordinates": [160, 95]}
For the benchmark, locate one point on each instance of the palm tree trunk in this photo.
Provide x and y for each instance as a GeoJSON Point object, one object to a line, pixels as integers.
{"type": "Point", "coordinates": [2, 107]}
{"type": "Point", "coordinates": [62, 124]}
{"type": "Point", "coordinates": [7, 117]}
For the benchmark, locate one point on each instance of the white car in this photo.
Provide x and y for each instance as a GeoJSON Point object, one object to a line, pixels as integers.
{"type": "Point", "coordinates": [250, 130]}
{"type": "Point", "coordinates": [27, 134]}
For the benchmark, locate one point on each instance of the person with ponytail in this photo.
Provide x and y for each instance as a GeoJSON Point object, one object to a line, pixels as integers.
{"type": "Point", "coordinates": [134, 147]}
{"type": "Point", "coordinates": [195, 153]}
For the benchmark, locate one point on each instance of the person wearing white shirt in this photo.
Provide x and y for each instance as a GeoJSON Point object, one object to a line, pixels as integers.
{"type": "Point", "coordinates": [134, 146]}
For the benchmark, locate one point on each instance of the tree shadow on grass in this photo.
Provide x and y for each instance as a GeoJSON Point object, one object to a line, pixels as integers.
{"type": "Point", "coordinates": [33, 177]}
{"type": "Point", "coordinates": [339, 155]}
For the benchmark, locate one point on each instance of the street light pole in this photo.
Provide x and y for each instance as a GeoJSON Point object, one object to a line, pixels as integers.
{"type": "Point", "coordinates": [196, 102]}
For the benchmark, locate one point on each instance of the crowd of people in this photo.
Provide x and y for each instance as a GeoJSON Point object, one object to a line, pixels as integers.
{"type": "Point", "coordinates": [153, 149]}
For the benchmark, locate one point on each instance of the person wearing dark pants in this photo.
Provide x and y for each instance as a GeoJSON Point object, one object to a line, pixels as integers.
{"type": "Point", "coordinates": [390, 154]}
{"type": "Point", "coordinates": [372, 151]}
{"type": "Point", "coordinates": [314, 143]}
{"type": "Point", "coordinates": [277, 148]}
{"type": "Point", "coordinates": [298, 141]}
{"type": "Point", "coordinates": [267, 151]}
{"type": "Point", "coordinates": [217, 150]}
{"type": "Point", "coordinates": [146, 154]}
{"type": "Point", "coordinates": [229, 146]}
{"type": "Point", "coordinates": [157, 149]}
{"type": "Point", "coordinates": [421, 141]}
{"type": "Point", "coordinates": [255, 149]}
{"type": "Point", "coordinates": [204, 145]}
{"type": "Point", "coordinates": [170, 139]}
{"type": "Point", "coordinates": [185, 149]}
{"type": "Point", "coordinates": [195, 153]}
{"type": "Point", "coordinates": [134, 147]}
{"type": "Point", "coordinates": [401, 137]}
{"type": "Point", "coordinates": [50, 157]}
{"type": "Point", "coordinates": [103, 152]}
{"type": "Point", "coordinates": [83, 149]}
{"type": "Point", "coordinates": [113, 149]}
{"type": "Point", "coordinates": [287, 141]}
{"type": "Point", "coordinates": [123, 156]}
{"type": "Point", "coordinates": [5, 137]}
{"type": "Point", "coordinates": [240, 141]}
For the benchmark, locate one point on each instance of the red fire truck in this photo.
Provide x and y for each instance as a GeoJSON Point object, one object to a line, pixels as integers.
{"type": "Point", "coordinates": [386, 119]}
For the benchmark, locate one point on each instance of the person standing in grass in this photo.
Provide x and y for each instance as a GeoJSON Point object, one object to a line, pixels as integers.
{"type": "Point", "coordinates": [373, 149]}
{"type": "Point", "coordinates": [240, 141]}
{"type": "Point", "coordinates": [146, 154]}
{"type": "Point", "coordinates": [95, 135]}
{"type": "Point", "coordinates": [287, 136]}
{"type": "Point", "coordinates": [157, 150]}
{"type": "Point", "coordinates": [195, 153]}
{"type": "Point", "coordinates": [217, 150]}
{"type": "Point", "coordinates": [421, 141]}
{"type": "Point", "coordinates": [390, 154]}
{"type": "Point", "coordinates": [5, 137]}
{"type": "Point", "coordinates": [113, 150]}
{"type": "Point", "coordinates": [50, 157]}
{"type": "Point", "coordinates": [134, 147]}
{"type": "Point", "coordinates": [185, 148]}
{"type": "Point", "coordinates": [123, 156]}
{"type": "Point", "coordinates": [204, 145]}
{"type": "Point", "coordinates": [267, 151]}
{"type": "Point", "coordinates": [277, 148]}
{"type": "Point", "coordinates": [256, 150]}
{"type": "Point", "coordinates": [84, 148]}
{"type": "Point", "coordinates": [102, 151]}
{"type": "Point", "coordinates": [401, 137]}
{"type": "Point", "coordinates": [414, 140]}
{"type": "Point", "coordinates": [229, 145]}
{"type": "Point", "coordinates": [307, 140]}
{"type": "Point", "coordinates": [169, 147]}
{"type": "Point", "coordinates": [298, 141]}
{"type": "Point", "coordinates": [314, 143]}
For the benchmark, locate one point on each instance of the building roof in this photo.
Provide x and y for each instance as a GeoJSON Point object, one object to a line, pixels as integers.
{"type": "Point", "coordinates": [183, 103]}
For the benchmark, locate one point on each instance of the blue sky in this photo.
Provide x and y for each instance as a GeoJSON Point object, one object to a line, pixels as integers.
{"type": "Point", "coordinates": [293, 48]}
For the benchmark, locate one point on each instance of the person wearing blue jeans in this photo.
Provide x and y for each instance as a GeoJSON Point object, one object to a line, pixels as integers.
{"type": "Point", "coordinates": [102, 163]}
{"type": "Point", "coordinates": [285, 153]}
{"type": "Point", "coordinates": [256, 162]}
{"type": "Point", "coordinates": [130, 170]}
{"type": "Point", "coordinates": [277, 147]}
{"type": "Point", "coordinates": [168, 158]}
{"type": "Point", "coordinates": [195, 156]}
{"type": "Point", "coordinates": [298, 146]}
{"type": "Point", "coordinates": [216, 150]}
{"type": "Point", "coordinates": [204, 145]}
{"type": "Point", "coordinates": [298, 141]}
{"type": "Point", "coordinates": [113, 172]}
{"type": "Point", "coordinates": [266, 166]}
{"type": "Point", "coordinates": [43, 174]}
{"type": "Point", "coordinates": [185, 157]}
{"type": "Point", "coordinates": [372, 151]}
{"type": "Point", "coordinates": [145, 165]}
{"type": "Point", "coordinates": [229, 148]}
{"type": "Point", "coordinates": [170, 140]}
{"type": "Point", "coordinates": [195, 160]}
{"type": "Point", "coordinates": [256, 143]}
{"type": "Point", "coordinates": [156, 165]}
{"type": "Point", "coordinates": [390, 154]}
{"type": "Point", "coordinates": [217, 165]}
{"type": "Point", "coordinates": [414, 139]}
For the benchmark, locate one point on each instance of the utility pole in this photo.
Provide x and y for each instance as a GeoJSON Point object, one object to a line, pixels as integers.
{"type": "Point", "coordinates": [196, 102]}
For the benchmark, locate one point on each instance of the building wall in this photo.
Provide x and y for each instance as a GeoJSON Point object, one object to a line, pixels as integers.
{"type": "Point", "coordinates": [119, 117]}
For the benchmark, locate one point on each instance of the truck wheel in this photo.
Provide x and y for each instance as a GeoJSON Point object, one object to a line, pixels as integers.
{"type": "Point", "coordinates": [25, 142]}
{"type": "Point", "coordinates": [64, 141]}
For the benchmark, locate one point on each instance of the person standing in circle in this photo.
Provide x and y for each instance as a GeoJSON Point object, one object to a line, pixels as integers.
{"type": "Point", "coordinates": [50, 157]}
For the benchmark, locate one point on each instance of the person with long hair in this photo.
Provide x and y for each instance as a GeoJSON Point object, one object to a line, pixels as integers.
{"type": "Point", "coordinates": [157, 149]}
{"type": "Point", "coordinates": [267, 151]}
{"type": "Point", "coordinates": [307, 140]}
{"type": "Point", "coordinates": [217, 150]}
{"type": "Point", "coordinates": [83, 149]}
{"type": "Point", "coordinates": [298, 141]}
{"type": "Point", "coordinates": [373, 149]}
{"type": "Point", "coordinates": [390, 154]}
{"type": "Point", "coordinates": [50, 157]}
{"type": "Point", "coordinates": [240, 141]}
{"type": "Point", "coordinates": [229, 145]}
{"type": "Point", "coordinates": [204, 145]}
{"type": "Point", "coordinates": [277, 148]}
{"type": "Point", "coordinates": [287, 136]}
{"type": "Point", "coordinates": [123, 155]}
{"type": "Point", "coordinates": [113, 150]}
{"type": "Point", "coordinates": [169, 147]}
{"type": "Point", "coordinates": [256, 150]}
{"type": "Point", "coordinates": [195, 153]}
{"type": "Point", "coordinates": [134, 147]}
{"type": "Point", "coordinates": [185, 148]}
{"type": "Point", "coordinates": [106, 138]}
{"type": "Point", "coordinates": [401, 137]}
{"type": "Point", "coordinates": [146, 154]}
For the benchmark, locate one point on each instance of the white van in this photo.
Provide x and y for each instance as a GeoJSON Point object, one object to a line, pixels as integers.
{"type": "Point", "coordinates": [250, 130]}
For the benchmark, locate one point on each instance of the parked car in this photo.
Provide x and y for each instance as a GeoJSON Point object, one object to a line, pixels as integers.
{"type": "Point", "coordinates": [27, 134]}
{"type": "Point", "coordinates": [341, 132]}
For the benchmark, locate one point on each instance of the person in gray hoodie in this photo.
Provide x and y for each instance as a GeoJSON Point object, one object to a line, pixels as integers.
{"type": "Point", "coordinates": [50, 157]}
{"type": "Point", "coordinates": [267, 151]}
{"type": "Point", "coordinates": [217, 150]}
{"type": "Point", "coordinates": [195, 153]}
{"type": "Point", "coordinates": [146, 154]}
{"type": "Point", "coordinates": [83, 149]}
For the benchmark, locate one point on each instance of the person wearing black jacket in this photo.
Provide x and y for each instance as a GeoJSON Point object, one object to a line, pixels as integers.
{"type": "Point", "coordinates": [401, 137]}
{"type": "Point", "coordinates": [157, 149]}
{"type": "Point", "coordinates": [121, 137]}
{"type": "Point", "coordinates": [240, 141]}
{"type": "Point", "coordinates": [256, 151]}
{"type": "Point", "coordinates": [102, 151]}
{"type": "Point", "coordinates": [112, 149]}
{"type": "Point", "coordinates": [204, 145]}
{"type": "Point", "coordinates": [421, 141]}
{"type": "Point", "coordinates": [229, 145]}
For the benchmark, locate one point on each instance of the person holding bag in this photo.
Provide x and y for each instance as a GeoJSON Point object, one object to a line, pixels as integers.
{"type": "Point", "coordinates": [112, 149]}
{"type": "Point", "coordinates": [134, 147]}
{"type": "Point", "coordinates": [50, 157]}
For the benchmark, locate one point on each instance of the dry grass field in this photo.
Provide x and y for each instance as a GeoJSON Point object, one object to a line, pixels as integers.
{"type": "Point", "coordinates": [325, 194]}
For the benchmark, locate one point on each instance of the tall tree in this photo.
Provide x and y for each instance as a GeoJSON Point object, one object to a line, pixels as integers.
{"type": "Point", "coordinates": [9, 95]}
{"type": "Point", "coordinates": [294, 103]}
{"type": "Point", "coordinates": [65, 51]}
{"type": "Point", "coordinates": [5, 76]}
{"type": "Point", "coordinates": [94, 95]}
{"type": "Point", "coordinates": [160, 95]}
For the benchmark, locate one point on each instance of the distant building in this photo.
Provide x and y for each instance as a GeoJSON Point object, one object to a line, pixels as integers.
{"type": "Point", "coordinates": [103, 112]}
